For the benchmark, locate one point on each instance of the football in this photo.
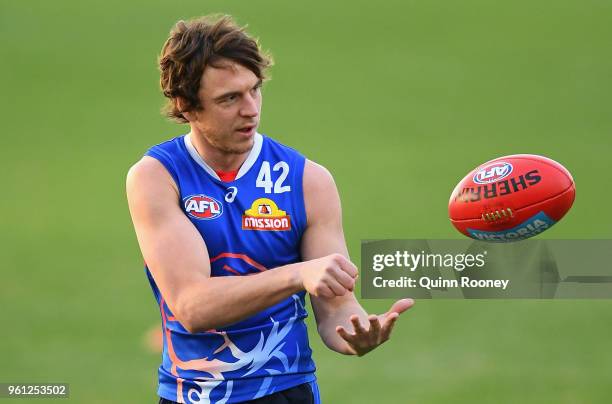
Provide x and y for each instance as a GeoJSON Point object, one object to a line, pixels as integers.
{"type": "Point", "coordinates": [511, 198]}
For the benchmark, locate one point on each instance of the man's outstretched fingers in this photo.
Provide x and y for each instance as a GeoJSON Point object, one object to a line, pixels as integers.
{"type": "Point", "coordinates": [389, 322]}
{"type": "Point", "coordinates": [357, 325]}
{"type": "Point", "coordinates": [344, 334]}
{"type": "Point", "coordinates": [374, 325]}
{"type": "Point", "coordinates": [401, 306]}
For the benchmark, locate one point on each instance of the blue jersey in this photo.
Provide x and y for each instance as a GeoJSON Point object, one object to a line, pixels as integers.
{"type": "Point", "coordinates": [250, 225]}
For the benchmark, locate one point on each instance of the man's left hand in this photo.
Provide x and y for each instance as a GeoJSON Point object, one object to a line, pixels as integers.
{"type": "Point", "coordinates": [364, 340]}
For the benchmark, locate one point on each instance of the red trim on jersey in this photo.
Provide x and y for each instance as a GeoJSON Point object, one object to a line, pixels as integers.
{"type": "Point", "coordinates": [227, 176]}
{"type": "Point", "coordinates": [230, 269]}
{"type": "Point", "coordinates": [244, 257]}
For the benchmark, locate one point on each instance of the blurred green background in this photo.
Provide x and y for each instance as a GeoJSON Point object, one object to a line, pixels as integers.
{"type": "Point", "coordinates": [399, 99]}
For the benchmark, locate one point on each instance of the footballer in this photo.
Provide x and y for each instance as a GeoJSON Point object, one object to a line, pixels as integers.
{"type": "Point", "coordinates": [235, 229]}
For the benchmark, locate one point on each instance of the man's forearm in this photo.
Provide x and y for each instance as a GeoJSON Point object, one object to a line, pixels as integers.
{"type": "Point", "coordinates": [220, 301]}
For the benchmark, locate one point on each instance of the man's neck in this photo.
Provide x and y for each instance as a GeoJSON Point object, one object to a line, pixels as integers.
{"type": "Point", "coordinates": [217, 159]}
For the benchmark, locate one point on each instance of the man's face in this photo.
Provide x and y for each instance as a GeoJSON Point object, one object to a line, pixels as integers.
{"type": "Point", "coordinates": [231, 98]}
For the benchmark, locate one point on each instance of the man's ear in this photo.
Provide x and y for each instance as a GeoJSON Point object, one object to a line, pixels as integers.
{"type": "Point", "coordinates": [181, 105]}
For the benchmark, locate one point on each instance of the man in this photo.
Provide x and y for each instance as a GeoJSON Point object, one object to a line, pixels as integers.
{"type": "Point", "coordinates": [235, 228]}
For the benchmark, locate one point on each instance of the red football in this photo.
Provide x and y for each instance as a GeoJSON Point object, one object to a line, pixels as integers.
{"type": "Point", "coordinates": [511, 198]}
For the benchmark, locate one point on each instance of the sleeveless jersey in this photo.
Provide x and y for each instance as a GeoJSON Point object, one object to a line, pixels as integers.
{"type": "Point", "coordinates": [250, 225]}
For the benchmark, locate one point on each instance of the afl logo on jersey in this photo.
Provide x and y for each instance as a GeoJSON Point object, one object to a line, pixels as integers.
{"type": "Point", "coordinates": [203, 207]}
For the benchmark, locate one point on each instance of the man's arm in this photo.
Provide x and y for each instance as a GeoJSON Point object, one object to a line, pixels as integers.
{"type": "Point", "coordinates": [178, 259]}
{"type": "Point", "coordinates": [324, 235]}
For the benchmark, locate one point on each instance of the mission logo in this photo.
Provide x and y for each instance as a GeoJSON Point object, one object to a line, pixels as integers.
{"type": "Point", "coordinates": [265, 215]}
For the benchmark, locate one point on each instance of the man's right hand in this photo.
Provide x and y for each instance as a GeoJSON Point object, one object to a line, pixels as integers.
{"type": "Point", "coordinates": [329, 276]}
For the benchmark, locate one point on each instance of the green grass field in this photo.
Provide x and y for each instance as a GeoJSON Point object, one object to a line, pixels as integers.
{"type": "Point", "coordinates": [399, 100]}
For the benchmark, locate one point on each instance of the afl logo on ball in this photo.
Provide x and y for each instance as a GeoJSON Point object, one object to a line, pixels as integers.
{"type": "Point", "coordinates": [492, 172]}
{"type": "Point", "coordinates": [202, 207]}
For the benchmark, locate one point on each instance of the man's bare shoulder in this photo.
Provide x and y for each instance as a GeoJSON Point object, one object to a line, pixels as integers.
{"type": "Point", "coordinates": [317, 178]}
{"type": "Point", "coordinates": [320, 194]}
{"type": "Point", "coordinates": [149, 173]}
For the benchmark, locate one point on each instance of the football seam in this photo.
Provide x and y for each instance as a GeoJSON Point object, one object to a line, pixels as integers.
{"type": "Point", "coordinates": [521, 208]}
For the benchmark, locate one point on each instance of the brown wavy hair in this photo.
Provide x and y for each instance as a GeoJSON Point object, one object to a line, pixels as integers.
{"type": "Point", "coordinates": [195, 44]}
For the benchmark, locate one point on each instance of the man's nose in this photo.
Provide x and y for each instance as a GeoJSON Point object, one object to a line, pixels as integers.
{"type": "Point", "coordinates": [250, 107]}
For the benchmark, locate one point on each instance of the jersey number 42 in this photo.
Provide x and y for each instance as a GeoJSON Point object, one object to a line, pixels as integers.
{"type": "Point", "coordinates": [264, 178]}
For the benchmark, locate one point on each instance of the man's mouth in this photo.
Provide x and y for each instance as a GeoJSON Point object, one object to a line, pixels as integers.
{"type": "Point", "coordinates": [246, 129]}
